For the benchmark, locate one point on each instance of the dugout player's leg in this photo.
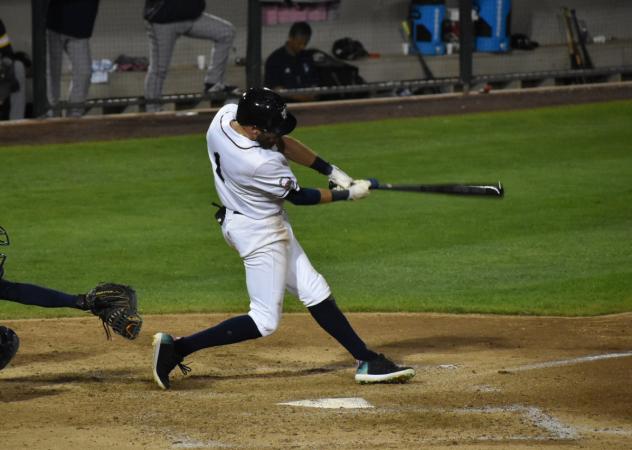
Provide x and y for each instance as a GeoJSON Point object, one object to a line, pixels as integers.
{"type": "Point", "coordinates": [18, 98]}
{"type": "Point", "coordinates": [81, 64]}
{"type": "Point", "coordinates": [222, 33]}
{"type": "Point", "coordinates": [55, 47]}
{"type": "Point", "coordinates": [162, 39]}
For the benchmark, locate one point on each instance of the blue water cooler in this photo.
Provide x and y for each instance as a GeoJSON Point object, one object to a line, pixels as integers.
{"type": "Point", "coordinates": [493, 27]}
{"type": "Point", "coordinates": [426, 19]}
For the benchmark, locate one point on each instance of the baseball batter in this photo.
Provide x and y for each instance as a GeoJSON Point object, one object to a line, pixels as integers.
{"type": "Point", "coordinates": [249, 151]}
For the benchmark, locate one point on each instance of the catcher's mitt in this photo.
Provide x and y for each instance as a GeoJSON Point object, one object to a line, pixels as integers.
{"type": "Point", "coordinates": [117, 307]}
{"type": "Point", "coordinates": [9, 344]}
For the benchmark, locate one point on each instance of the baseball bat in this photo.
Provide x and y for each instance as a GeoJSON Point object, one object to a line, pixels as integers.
{"type": "Point", "coordinates": [494, 190]}
{"type": "Point", "coordinates": [587, 61]}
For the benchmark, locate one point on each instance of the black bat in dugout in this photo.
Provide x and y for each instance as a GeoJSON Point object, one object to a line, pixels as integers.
{"type": "Point", "coordinates": [482, 189]}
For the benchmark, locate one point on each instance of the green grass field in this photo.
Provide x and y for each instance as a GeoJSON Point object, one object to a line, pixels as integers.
{"type": "Point", "coordinates": [139, 212]}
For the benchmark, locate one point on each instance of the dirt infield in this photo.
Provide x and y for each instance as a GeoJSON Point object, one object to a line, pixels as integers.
{"type": "Point", "coordinates": [483, 381]}
{"type": "Point", "coordinates": [126, 126]}
{"type": "Point", "coordinates": [505, 382]}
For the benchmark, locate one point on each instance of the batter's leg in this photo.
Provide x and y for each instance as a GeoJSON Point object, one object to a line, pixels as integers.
{"type": "Point", "coordinates": [333, 321]}
{"type": "Point", "coordinates": [265, 279]}
{"type": "Point", "coordinates": [312, 289]}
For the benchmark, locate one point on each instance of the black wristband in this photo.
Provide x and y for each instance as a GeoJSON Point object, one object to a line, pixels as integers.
{"type": "Point", "coordinates": [339, 194]}
{"type": "Point", "coordinates": [321, 166]}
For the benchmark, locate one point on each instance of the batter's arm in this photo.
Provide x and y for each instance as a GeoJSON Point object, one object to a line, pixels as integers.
{"type": "Point", "coordinates": [296, 151]}
{"type": "Point", "coordinates": [311, 196]}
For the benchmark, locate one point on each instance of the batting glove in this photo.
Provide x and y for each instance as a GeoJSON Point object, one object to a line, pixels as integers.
{"type": "Point", "coordinates": [359, 189]}
{"type": "Point", "coordinates": [339, 178]}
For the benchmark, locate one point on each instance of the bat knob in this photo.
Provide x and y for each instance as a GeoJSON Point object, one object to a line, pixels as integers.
{"type": "Point", "coordinates": [374, 183]}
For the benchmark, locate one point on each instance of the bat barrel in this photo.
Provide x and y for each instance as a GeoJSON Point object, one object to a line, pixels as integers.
{"type": "Point", "coordinates": [476, 189]}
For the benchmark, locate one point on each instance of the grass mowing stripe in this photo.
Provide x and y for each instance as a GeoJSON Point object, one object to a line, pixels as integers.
{"type": "Point", "coordinates": [138, 211]}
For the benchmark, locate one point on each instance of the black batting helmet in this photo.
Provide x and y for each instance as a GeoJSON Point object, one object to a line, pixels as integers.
{"type": "Point", "coordinates": [266, 110]}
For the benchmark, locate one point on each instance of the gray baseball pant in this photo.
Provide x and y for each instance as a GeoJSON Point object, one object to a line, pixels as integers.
{"type": "Point", "coordinates": [162, 40]}
{"type": "Point", "coordinates": [18, 99]}
{"type": "Point", "coordinates": [78, 51]}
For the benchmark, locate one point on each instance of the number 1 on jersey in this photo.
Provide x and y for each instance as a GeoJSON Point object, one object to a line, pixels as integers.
{"type": "Point", "coordinates": [218, 169]}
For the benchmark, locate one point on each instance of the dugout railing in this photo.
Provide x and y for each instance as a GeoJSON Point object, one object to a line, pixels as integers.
{"type": "Point", "coordinates": [480, 83]}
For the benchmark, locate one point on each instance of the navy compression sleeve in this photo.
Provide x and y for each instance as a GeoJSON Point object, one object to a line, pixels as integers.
{"type": "Point", "coordinates": [321, 166]}
{"type": "Point", "coordinates": [310, 196]}
{"type": "Point", "coordinates": [306, 196]}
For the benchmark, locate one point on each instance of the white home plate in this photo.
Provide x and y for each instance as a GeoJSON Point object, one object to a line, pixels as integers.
{"type": "Point", "coordinates": [332, 403]}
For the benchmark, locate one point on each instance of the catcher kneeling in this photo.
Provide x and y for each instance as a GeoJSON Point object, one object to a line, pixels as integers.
{"type": "Point", "coordinates": [115, 304]}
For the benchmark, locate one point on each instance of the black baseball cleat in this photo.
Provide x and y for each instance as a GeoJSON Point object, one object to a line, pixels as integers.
{"type": "Point", "coordinates": [166, 359]}
{"type": "Point", "coordinates": [382, 370]}
{"type": "Point", "coordinates": [221, 88]}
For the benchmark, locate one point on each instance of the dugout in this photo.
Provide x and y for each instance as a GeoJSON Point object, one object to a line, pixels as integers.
{"type": "Point", "coordinates": [120, 30]}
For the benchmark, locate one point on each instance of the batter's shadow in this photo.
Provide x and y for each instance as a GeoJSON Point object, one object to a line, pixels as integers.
{"type": "Point", "coordinates": [200, 381]}
{"type": "Point", "coordinates": [406, 347]}
{"type": "Point", "coordinates": [51, 356]}
{"type": "Point", "coordinates": [100, 376]}
{"type": "Point", "coordinates": [12, 394]}
{"type": "Point", "coordinates": [395, 350]}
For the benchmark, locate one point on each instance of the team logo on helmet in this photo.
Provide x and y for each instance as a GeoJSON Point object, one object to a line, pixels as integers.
{"type": "Point", "coordinates": [284, 113]}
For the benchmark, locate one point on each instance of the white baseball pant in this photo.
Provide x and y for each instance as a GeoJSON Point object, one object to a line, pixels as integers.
{"type": "Point", "coordinates": [274, 261]}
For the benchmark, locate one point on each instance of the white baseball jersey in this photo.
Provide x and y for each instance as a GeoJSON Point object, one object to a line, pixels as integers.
{"type": "Point", "coordinates": [248, 178]}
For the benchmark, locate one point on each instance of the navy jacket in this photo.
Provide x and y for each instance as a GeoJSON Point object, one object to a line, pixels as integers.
{"type": "Point", "coordinates": [72, 17]}
{"type": "Point", "coordinates": [290, 71]}
{"type": "Point", "coordinates": [167, 11]}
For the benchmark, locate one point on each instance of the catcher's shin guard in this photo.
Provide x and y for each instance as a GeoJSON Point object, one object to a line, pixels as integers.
{"type": "Point", "coordinates": [9, 344]}
{"type": "Point", "coordinates": [4, 241]}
